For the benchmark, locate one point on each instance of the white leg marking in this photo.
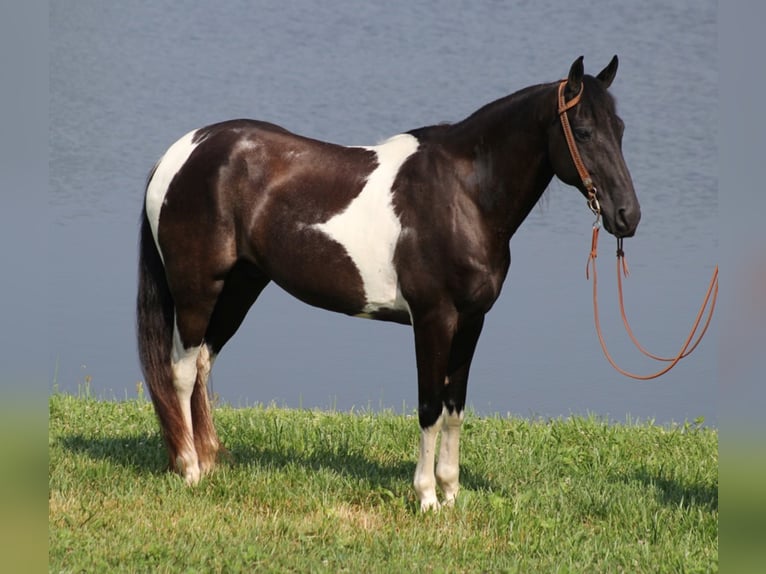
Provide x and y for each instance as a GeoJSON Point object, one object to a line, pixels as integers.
{"type": "Point", "coordinates": [425, 481]}
{"type": "Point", "coordinates": [369, 228]}
{"type": "Point", "coordinates": [184, 365]}
{"type": "Point", "coordinates": [204, 364]}
{"type": "Point", "coordinates": [166, 169]}
{"type": "Point", "coordinates": [448, 468]}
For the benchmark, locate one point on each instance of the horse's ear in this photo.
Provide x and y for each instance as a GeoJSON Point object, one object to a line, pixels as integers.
{"type": "Point", "coordinates": [574, 80]}
{"type": "Point", "coordinates": [607, 74]}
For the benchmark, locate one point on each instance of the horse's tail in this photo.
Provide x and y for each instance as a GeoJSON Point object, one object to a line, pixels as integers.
{"type": "Point", "coordinates": [155, 318]}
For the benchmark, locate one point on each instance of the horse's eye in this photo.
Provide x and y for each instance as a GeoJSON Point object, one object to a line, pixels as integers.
{"type": "Point", "coordinates": [582, 134]}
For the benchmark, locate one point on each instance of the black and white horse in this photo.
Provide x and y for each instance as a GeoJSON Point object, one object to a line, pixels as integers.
{"type": "Point", "coordinates": [413, 230]}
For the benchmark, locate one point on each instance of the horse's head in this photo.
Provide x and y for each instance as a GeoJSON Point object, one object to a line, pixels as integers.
{"type": "Point", "coordinates": [597, 135]}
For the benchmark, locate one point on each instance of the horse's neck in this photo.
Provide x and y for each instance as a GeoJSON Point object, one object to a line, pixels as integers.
{"type": "Point", "coordinates": [508, 144]}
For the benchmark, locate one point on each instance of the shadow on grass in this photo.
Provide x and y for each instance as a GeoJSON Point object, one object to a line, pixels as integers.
{"type": "Point", "coordinates": [671, 492]}
{"type": "Point", "coordinates": [147, 454]}
{"type": "Point", "coordinates": [143, 453]}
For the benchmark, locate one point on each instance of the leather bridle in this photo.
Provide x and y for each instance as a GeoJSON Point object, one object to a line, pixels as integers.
{"type": "Point", "coordinates": [587, 182]}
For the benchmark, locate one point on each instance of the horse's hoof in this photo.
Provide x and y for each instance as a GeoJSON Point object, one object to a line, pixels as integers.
{"type": "Point", "coordinates": [429, 505]}
{"type": "Point", "coordinates": [190, 471]}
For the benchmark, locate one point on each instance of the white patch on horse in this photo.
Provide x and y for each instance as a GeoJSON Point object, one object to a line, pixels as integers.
{"type": "Point", "coordinates": [369, 229]}
{"type": "Point", "coordinates": [184, 367]}
{"type": "Point", "coordinates": [448, 467]}
{"type": "Point", "coordinates": [425, 480]}
{"type": "Point", "coordinates": [167, 168]}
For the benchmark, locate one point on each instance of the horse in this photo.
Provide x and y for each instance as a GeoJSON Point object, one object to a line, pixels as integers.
{"type": "Point", "coordinates": [414, 230]}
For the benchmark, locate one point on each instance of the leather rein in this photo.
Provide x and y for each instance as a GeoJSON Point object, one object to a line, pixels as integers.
{"type": "Point", "coordinates": [622, 267]}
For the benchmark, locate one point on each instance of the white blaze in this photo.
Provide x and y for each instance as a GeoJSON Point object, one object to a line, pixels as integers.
{"type": "Point", "coordinates": [369, 229]}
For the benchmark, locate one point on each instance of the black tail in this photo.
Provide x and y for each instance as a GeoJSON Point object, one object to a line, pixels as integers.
{"type": "Point", "coordinates": [155, 316]}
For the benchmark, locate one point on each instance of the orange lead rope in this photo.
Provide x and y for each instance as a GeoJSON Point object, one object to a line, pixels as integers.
{"type": "Point", "coordinates": [710, 298]}
{"type": "Point", "coordinates": [712, 290]}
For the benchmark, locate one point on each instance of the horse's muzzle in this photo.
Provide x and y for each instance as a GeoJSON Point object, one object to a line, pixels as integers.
{"type": "Point", "coordinates": [624, 222]}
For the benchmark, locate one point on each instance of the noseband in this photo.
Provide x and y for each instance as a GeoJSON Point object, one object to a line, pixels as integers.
{"type": "Point", "coordinates": [587, 182]}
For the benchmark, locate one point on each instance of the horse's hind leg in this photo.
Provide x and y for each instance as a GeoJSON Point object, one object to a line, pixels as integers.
{"type": "Point", "coordinates": [184, 368]}
{"type": "Point", "coordinates": [206, 441]}
{"type": "Point", "coordinates": [191, 362]}
{"type": "Point", "coordinates": [242, 286]}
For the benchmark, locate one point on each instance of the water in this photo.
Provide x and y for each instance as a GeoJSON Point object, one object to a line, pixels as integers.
{"type": "Point", "coordinates": [127, 79]}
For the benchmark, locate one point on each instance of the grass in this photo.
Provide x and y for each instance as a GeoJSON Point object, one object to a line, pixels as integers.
{"type": "Point", "coordinates": [311, 491]}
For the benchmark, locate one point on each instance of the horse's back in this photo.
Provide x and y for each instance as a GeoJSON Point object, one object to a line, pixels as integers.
{"type": "Point", "coordinates": [315, 217]}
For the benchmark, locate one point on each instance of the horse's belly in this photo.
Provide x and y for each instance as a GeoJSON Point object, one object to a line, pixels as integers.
{"type": "Point", "coordinates": [323, 271]}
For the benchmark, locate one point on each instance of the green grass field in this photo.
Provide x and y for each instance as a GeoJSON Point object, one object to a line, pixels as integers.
{"type": "Point", "coordinates": [311, 491]}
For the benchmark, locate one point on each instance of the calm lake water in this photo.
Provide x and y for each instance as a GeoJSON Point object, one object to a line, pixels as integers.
{"type": "Point", "coordinates": [127, 79]}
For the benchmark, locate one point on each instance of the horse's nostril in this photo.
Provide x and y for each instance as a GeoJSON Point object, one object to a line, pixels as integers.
{"type": "Point", "coordinates": [622, 220]}
{"type": "Point", "coordinates": [626, 220]}
{"type": "Point", "coordinates": [627, 216]}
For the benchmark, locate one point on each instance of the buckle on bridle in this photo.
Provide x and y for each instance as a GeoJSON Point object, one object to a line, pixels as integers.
{"type": "Point", "coordinates": [593, 203]}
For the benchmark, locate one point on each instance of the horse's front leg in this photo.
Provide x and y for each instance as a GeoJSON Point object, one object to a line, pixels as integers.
{"type": "Point", "coordinates": [460, 357]}
{"type": "Point", "coordinates": [433, 338]}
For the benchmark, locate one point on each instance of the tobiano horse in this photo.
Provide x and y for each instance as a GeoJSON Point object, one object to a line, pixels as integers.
{"type": "Point", "coordinates": [414, 230]}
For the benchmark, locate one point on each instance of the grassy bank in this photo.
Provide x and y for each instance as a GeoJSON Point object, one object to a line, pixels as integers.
{"type": "Point", "coordinates": [317, 491]}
